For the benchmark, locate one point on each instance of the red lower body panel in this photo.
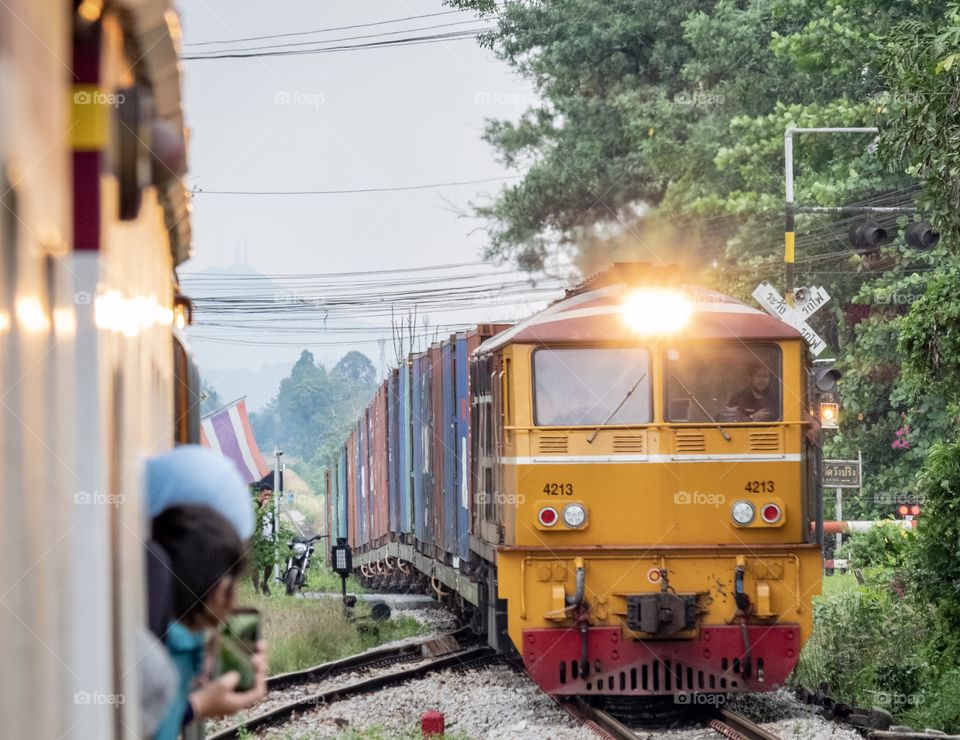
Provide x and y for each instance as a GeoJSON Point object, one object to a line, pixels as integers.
{"type": "Point", "coordinates": [713, 662]}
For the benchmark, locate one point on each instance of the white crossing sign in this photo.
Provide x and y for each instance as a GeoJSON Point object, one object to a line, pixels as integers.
{"type": "Point", "coordinates": [774, 304]}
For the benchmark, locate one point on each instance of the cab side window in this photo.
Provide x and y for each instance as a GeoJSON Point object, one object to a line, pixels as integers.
{"type": "Point", "coordinates": [728, 383]}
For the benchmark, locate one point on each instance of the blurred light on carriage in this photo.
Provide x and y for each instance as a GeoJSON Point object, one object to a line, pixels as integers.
{"type": "Point", "coordinates": [129, 316]}
{"type": "Point", "coordinates": [4, 321]}
{"type": "Point", "coordinates": [180, 317]}
{"type": "Point", "coordinates": [656, 311]}
{"type": "Point", "coordinates": [64, 321]}
{"type": "Point", "coordinates": [31, 315]}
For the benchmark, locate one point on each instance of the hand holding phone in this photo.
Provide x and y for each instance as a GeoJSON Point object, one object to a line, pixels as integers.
{"type": "Point", "coordinates": [219, 696]}
{"type": "Point", "coordinates": [238, 645]}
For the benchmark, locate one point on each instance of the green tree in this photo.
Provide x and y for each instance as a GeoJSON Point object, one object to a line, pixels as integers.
{"type": "Point", "coordinates": [313, 409]}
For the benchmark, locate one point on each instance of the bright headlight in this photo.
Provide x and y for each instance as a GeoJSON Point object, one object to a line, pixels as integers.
{"type": "Point", "coordinates": [656, 311]}
{"type": "Point", "coordinates": [742, 512]}
{"type": "Point", "coordinates": [574, 515]}
{"type": "Point", "coordinates": [299, 548]}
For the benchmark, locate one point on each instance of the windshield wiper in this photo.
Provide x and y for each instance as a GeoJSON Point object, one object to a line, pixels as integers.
{"type": "Point", "coordinates": [614, 412]}
{"type": "Point", "coordinates": [702, 408]}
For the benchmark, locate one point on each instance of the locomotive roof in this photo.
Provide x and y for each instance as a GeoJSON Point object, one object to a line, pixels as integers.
{"type": "Point", "coordinates": [593, 314]}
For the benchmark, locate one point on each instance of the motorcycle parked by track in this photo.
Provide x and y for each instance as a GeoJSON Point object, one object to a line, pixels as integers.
{"type": "Point", "coordinates": [295, 575]}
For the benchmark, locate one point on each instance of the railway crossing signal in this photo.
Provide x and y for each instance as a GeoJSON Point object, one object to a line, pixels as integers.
{"type": "Point", "coordinates": [809, 301]}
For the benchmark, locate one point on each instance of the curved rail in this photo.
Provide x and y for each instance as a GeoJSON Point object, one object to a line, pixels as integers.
{"type": "Point", "coordinates": [279, 715]}
{"type": "Point", "coordinates": [370, 659]}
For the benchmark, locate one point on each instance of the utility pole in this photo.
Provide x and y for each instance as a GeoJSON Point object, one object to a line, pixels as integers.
{"type": "Point", "coordinates": [275, 515]}
{"type": "Point", "coordinates": [792, 209]}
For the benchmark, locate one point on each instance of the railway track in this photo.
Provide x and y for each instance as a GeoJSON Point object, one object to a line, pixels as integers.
{"type": "Point", "coordinates": [728, 723]}
{"type": "Point", "coordinates": [433, 655]}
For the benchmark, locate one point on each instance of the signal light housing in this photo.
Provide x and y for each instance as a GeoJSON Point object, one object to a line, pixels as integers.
{"type": "Point", "coordinates": [868, 236]}
{"type": "Point", "coordinates": [826, 377]}
{"type": "Point", "coordinates": [921, 235]}
{"type": "Point", "coordinates": [829, 415]}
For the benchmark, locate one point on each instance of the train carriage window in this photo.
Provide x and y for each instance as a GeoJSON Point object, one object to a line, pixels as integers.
{"type": "Point", "coordinates": [590, 386]}
{"type": "Point", "coordinates": [725, 383]}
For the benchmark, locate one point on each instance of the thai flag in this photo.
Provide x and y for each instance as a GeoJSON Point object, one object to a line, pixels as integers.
{"type": "Point", "coordinates": [228, 432]}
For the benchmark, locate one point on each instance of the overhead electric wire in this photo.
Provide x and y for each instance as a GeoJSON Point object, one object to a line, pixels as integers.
{"type": "Point", "coordinates": [292, 44]}
{"type": "Point", "coordinates": [347, 191]}
{"type": "Point", "coordinates": [411, 41]}
{"type": "Point", "coordinates": [321, 30]}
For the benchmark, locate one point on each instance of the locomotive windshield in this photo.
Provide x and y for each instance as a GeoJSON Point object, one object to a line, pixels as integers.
{"type": "Point", "coordinates": [591, 386]}
{"type": "Point", "coordinates": [723, 383]}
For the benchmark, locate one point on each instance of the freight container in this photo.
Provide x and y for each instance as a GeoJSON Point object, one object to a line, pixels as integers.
{"type": "Point", "coordinates": [393, 449]}
{"type": "Point", "coordinates": [406, 452]}
{"type": "Point", "coordinates": [462, 423]}
{"type": "Point", "coordinates": [437, 423]}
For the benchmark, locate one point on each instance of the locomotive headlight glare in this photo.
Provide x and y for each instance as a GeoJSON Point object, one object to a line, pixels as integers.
{"type": "Point", "coordinates": [742, 512]}
{"type": "Point", "coordinates": [656, 311]}
{"type": "Point", "coordinates": [574, 515]}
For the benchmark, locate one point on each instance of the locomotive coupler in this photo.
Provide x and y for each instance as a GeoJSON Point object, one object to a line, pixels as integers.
{"type": "Point", "coordinates": [743, 611]}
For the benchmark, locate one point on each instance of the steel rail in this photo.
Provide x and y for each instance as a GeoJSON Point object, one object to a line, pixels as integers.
{"type": "Point", "coordinates": [597, 720]}
{"type": "Point", "coordinates": [281, 714]}
{"type": "Point", "coordinates": [371, 658]}
{"type": "Point", "coordinates": [737, 727]}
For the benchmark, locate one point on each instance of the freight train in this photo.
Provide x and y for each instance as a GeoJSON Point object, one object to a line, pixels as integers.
{"type": "Point", "coordinates": [95, 374]}
{"type": "Point", "coordinates": [622, 489]}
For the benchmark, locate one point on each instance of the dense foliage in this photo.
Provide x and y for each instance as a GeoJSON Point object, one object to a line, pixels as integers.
{"type": "Point", "coordinates": [313, 410]}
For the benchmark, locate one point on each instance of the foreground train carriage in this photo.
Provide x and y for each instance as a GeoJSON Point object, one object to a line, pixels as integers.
{"type": "Point", "coordinates": [93, 222]}
{"type": "Point", "coordinates": [640, 486]}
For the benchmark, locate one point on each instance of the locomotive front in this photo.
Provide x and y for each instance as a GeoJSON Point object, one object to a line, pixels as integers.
{"type": "Point", "coordinates": [654, 489]}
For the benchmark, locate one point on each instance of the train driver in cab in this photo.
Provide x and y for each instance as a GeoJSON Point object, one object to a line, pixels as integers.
{"type": "Point", "coordinates": [759, 400]}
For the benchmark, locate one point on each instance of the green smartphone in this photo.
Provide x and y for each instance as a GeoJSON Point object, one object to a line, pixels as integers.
{"type": "Point", "coordinates": [238, 644]}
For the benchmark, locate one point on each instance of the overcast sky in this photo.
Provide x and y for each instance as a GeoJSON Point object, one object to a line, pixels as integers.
{"type": "Point", "coordinates": [368, 118]}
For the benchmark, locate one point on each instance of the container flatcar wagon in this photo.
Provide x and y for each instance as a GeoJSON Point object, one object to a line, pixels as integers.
{"type": "Point", "coordinates": [630, 504]}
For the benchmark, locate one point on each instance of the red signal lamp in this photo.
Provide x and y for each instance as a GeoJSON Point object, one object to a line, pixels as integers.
{"type": "Point", "coordinates": [771, 513]}
{"type": "Point", "coordinates": [548, 516]}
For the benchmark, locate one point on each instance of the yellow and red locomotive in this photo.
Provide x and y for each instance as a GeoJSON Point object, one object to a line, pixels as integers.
{"type": "Point", "coordinates": [629, 503]}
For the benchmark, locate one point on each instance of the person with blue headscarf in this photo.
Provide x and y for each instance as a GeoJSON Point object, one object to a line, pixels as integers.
{"type": "Point", "coordinates": [202, 517]}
